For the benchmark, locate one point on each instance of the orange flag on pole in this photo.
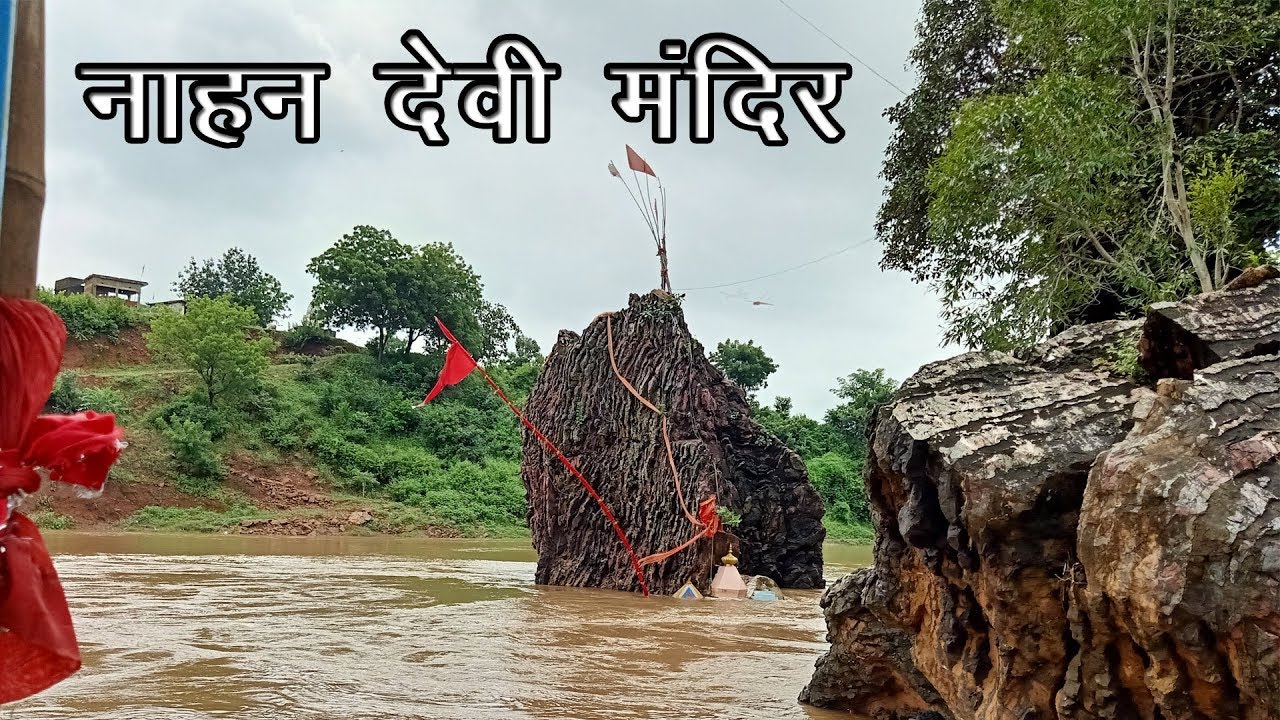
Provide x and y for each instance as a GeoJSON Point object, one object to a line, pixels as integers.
{"type": "Point", "coordinates": [637, 163]}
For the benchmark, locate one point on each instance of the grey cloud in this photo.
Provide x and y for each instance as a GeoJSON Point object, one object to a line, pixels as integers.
{"type": "Point", "coordinates": [549, 230]}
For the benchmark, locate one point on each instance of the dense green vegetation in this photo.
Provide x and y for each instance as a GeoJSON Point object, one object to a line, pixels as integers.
{"type": "Point", "coordinates": [834, 449]}
{"type": "Point", "coordinates": [369, 280]}
{"type": "Point", "coordinates": [745, 363]}
{"type": "Point", "coordinates": [210, 340]}
{"type": "Point", "coordinates": [1072, 162]}
{"type": "Point", "coordinates": [86, 316]}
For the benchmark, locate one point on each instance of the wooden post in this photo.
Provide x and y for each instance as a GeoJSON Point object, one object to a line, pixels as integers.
{"type": "Point", "coordinates": [24, 167]}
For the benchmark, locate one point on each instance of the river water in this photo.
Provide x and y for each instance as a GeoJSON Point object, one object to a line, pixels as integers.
{"type": "Point", "coordinates": [195, 627]}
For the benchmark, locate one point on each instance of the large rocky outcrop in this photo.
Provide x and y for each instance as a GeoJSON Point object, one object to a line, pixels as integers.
{"type": "Point", "coordinates": [1057, 541]}
{"type": "Point", "coordinates": [617, 443]}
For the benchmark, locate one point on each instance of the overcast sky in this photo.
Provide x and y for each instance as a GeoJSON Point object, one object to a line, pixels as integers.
{"type": "Point", "coordinates": [552, 235]}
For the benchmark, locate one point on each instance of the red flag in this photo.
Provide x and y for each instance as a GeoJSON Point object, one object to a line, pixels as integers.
{"type": "Point", "coordinates": [458, 364]}
{"type": "Point", "coordinates": [637, 163]}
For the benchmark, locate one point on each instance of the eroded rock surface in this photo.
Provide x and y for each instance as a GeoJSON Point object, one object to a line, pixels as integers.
{"type": "Point", "coordinates": [1179, 545]}
{"type": "Point", "coordinates": [1180, 338]}
{"type": "Point", "coordinates": [1055, 541]}
{"type": "Point", "coordinates": [617, 444]}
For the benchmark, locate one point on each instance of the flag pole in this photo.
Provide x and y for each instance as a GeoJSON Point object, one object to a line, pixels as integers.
{"type": "Point", "coordinates": [24, 189]}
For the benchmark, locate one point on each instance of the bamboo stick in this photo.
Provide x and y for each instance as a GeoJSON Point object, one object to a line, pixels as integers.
{"type": "Point", "coordinates": [24, 189]}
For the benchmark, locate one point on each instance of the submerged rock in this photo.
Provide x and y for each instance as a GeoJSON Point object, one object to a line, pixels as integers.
{"type": "Point", "coordinates": [762, 582]}
{"type": "Point", "coordinates": [1055, 541]}
{"type": "Point", "coordinates": [617, 443]}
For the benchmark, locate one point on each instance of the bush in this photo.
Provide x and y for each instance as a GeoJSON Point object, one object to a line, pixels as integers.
{"type": "Point", "coordinates": [191, 409]}
{"type": "Point", "coordinates": [215, 339]}
{"type": "Point", "coordinates": [728, 517]}
{"type": "Point", "coordinates": [51, 520]}
{"type": "Point", "coordinates": [65, 397]}
{"type": "Point", "coordinates": [299, 336]}
{"type": "Point", "coordinates": [102, 400]}
{"type": "Point", "coordinates": [285, 431]}
{"type": "Point", "coordinates": [858, 533]}
{"type": "Point", "coordinates": [1121, 358]}
{"type": "Point", "coordinates": [87, 316]}
{"type": "Point", "coordinates": [488, 494]}
{"type": "Point", "coordinates": [68, 397]}
{"type": "Point", "coordinates": [406, 461]}
{"type": "Point", "coordinates": [359, 482]}
{"type": "Point", "coordinates": [193, 449]}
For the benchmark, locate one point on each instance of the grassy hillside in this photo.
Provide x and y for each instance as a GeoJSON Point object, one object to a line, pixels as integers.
{"type": "Point", "coordinates": [328, 441]}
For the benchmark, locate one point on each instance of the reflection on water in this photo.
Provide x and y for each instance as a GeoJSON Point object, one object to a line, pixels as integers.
{"type": "Point", "coordinates": [178, 627]}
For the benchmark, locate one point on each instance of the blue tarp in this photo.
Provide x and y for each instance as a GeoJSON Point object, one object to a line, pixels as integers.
{"type": "Point", "coordinates": [8, 12]}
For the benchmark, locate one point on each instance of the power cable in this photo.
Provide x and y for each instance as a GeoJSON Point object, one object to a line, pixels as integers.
{"type": "Point", "coordinates": [846, 50]}
{"type": "Point", "coordinates": [784, 270]}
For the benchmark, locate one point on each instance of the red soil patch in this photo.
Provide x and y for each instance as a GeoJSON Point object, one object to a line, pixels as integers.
{"type": "Point", "coordinates": [102, 352]}
{"type": "Point", "coordinates": [277, 487]}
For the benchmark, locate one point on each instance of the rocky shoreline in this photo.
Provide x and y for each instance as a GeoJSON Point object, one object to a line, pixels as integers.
{"type": "Point", "coordinates": [1062, 535]}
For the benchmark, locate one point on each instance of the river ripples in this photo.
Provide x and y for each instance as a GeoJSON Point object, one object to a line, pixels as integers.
{"type": "Point", "coordinates": [194, 628]}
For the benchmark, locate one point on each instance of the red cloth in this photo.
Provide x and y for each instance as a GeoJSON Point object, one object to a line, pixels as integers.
{"type": "Point", "coordinates": [458, 364]}
{"type": "Point", "coordinates": [39, 650]}
{"type": "Point", "coordinates": [37, 641]}
{"type": "Point", "coordinates": [31, 342]}
{"type": "Point", "coordinates": [637, 163]}
{"type": "Point", "coordinates": [709, 517]}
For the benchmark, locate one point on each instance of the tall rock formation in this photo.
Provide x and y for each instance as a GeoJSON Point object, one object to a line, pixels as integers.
{"type": "Point", "coordinates": [1056, 540]}
{"type": "Point", "coordinates": [617, 443]}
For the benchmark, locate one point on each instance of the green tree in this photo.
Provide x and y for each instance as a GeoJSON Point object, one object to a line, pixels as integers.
{"type": "Point", "coordinates": [1057, 185]}
{"type": "Point", "coordinates": [369, 280]}
{"type": "Point", "coordinates": [745, 363]}
{"type": "Point", "coordinates": [959, 54]}
{"type": "Point", "coordinates": [359, 284]}
{"type": "Point", "coordinates": [808, 437]}
{"type": "Point", "coordinates": [838, 480]}
{"type": "Point", "coordinates": [863, 391]}
{"type": "Point", "coordinates": [236, 274]}
{"type": "Point", "coordinates": [526, 350]}
{"type": "Point", "coordinates": [212, 339]}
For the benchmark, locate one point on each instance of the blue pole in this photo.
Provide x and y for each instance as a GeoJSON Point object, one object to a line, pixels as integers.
{"type": "Point", "coordinates": [8, 17]}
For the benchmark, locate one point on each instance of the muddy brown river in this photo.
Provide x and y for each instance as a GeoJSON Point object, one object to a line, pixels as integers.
{"type": "Point", "coordinates": [196, 627]}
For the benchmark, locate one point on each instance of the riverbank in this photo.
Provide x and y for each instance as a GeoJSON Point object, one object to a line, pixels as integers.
{"type": "Point", "coordinates": [324, 441]}
{"type": "Point", "coordinates": [282, 501]}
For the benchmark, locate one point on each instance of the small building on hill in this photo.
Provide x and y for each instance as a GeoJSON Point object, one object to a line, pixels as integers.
{"type": "Point", "coordinates": [102, 286]}
{"type": "Point", "coordinates": [178, 306]}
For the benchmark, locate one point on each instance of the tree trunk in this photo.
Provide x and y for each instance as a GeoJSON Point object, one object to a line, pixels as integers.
{"type": "Point", "coordinates": [24, 166]}
{"type": "Point", "coordinates": [617, 443]}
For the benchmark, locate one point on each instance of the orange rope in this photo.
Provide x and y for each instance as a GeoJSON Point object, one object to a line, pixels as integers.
{"type": "Point", "coordinates": [666, 437]}
{"type": "Point", "coordinates": [708, 526]}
